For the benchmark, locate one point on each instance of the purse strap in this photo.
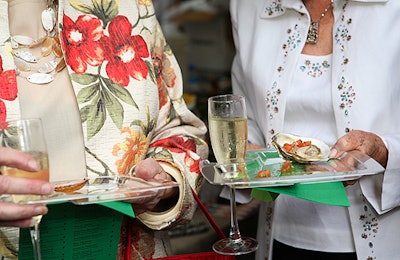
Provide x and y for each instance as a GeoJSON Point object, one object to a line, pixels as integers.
{"type": "Point", "coordinates": [210, 219]}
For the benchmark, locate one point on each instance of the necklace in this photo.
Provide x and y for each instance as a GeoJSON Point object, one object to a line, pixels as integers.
{"type": "Point", "coordinates": [49, 44]}
{"type": "Point", "coordinates": [312, 35]}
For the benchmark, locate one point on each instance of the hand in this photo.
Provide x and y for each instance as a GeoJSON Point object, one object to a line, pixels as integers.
{"type": "Point", "coordinates": [346, 163]}
{"type": "Point", "coordinates": [150, 170]}
{"type": "Point", "coordinates": [365, 142]}
{"type": "Point", "coordinates": [15, 215]}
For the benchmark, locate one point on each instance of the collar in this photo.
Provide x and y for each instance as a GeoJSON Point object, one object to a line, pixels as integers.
{"type": "Point", "coordinates": [275, 8]}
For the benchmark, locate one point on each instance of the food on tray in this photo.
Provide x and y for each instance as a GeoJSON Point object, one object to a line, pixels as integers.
{"type": "Point", "coordinates": [300, 149]}
{"type": "Point", "coordinates": [287, 167]}
{"type": "Point", "coordinates": [264, 174]}
{"type": "Point", "coordinates": [70, 187]}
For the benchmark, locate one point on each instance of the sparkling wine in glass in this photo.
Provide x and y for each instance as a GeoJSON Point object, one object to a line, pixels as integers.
{"type": "Point", "coordinates": [228, 133]}
{"type": "Point", "coordinates": [26, 135]}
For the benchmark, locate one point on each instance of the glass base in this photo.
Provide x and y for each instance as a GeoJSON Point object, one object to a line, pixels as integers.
{"type": "Point", "coordinates": [242, 246]}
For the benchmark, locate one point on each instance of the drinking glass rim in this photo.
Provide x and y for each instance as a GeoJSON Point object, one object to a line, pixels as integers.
{"type": "Point", "coordinates": [19, 122]}
{"type": "Point", "coordinates": [226, 98]}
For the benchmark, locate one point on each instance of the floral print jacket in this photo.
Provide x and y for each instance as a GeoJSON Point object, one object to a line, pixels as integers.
{"type": "Point", "coordinates": [129, 94]}
{"type": "Point", "coordinates": [119, 61]}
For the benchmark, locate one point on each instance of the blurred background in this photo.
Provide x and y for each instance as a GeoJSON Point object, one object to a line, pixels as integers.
{"type": "Point", "coordinates": [200, 35]}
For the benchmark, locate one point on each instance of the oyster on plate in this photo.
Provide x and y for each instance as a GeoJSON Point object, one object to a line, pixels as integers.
{"type": "Point", "coordinates": [300, 149]}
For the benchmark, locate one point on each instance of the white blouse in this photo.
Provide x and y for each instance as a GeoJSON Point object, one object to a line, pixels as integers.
{"type": "Point", "coordinates": [309, 101]}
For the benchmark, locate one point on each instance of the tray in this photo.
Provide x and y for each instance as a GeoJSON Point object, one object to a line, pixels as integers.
{"type": "Point", "coordinates": [101, 189]}
{"type": "Point", "coordinates": [350, 166]}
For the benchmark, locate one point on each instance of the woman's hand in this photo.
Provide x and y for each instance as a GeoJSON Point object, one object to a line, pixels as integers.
{"type": "Point", "coordinates": [15, 215]}
{"type": "Point", "coordinates": [365, 142]}
{"type": "Point", "coordinates": [150, 170]}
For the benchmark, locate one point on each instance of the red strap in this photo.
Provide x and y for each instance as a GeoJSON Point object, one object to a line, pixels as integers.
{"type": "Point", "coordinates": [208, 216]}
{"type": "Point", "coordinates": [128, 249]}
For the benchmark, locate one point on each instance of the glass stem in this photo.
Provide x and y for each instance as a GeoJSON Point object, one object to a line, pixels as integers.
{"type": "Point", "coordinates": [234, 233]}
{"type": "Point", "coordinates": [35, 237]}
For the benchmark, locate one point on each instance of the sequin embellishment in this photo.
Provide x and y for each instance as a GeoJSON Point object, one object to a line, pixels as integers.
{"type": "Point", "coordinates": [274, 7]}
{"type": "Point", "coordinates": [313, 69]}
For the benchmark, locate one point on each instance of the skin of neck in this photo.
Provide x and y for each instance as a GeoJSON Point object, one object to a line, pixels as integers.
{"type": "Point", "coordinates": [324, 44]}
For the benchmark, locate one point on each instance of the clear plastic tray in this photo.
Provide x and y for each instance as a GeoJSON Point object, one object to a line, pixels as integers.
{"type": "Point", "coordinates": [101, 189]}
{"type": "Point", "coordinates": [350, 166]}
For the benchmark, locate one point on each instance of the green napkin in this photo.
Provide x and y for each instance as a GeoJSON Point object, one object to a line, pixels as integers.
{"type": "Point", "coordinates": [331, 193]}
{"type": "Point", "coordinates": [120, 206]}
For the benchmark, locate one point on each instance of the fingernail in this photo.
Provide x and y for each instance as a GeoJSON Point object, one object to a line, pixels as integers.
{"type": "Point", "coordinates": [40, 210]}
{"type": "Point", "coordinates": [333, 153]}
{"type": "Point", "coordinates": [47, 188]}
{"type": "Point", "coordinates": [33, 165]}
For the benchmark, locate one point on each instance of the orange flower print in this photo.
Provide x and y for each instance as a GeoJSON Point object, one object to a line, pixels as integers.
{"type": "Point", "coordinates": [165, 74]}
{"type": "Point", "coordinates": [145, 2]}
{"type": "Point", "coordinates": [134, 148]}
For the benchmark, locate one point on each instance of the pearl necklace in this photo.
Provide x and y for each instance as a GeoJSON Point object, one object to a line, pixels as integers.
{"type": "Point", "coordinates": [312, 35]}
{"type": "Point", "coordinates": [24, 59]}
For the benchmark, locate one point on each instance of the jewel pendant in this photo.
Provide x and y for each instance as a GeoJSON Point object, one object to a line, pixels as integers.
{"type": "Point", "coordinates": [22, 40]}
{"type": "Point", "coordinates": [26, 56]}
{"type": "Point", "coordinates": [48, 67]}
{"type": "Point", "coordinates": [312, 35]}
{"type": "Point", "coordinates": [21, 64]}
{"type": "Point", "coordinates": [49, 19]}
{"type": "Point", "coordinates": [40, 78]}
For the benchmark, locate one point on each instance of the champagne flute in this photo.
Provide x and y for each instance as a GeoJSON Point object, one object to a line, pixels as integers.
{"type": "Point", "coordinates": [228, 133]}
{"type": "Point", "coordinates": [26, 135]}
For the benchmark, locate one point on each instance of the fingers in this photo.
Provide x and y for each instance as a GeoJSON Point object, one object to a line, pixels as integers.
{"type": "Point", "coordinates": [346, 143]}
{"type": "Point", "coordinates": [16, 159]}
{"type": "Point", "coordinates": [148, 169]}
{"type": "Point", "coordinates": [354, 140]}
{"type": "Point", "coordinates": [146, 203]}
{"type": "Point", "coordinates": [16, 215]}
{"type": "Point", "coordinates": [16, 185]}
{"type": "Point", "coordinates": [12, 214]}
{"type": "Point", "coordinates": [365, 142]}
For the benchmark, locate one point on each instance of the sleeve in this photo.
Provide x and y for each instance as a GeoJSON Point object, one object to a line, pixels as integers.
{"type": "Point", "coordinates": [239, 85]}
{"type": "Point", "coordinates": [177, 140]}
{"type": "Point", "coordinates": [382, 190]}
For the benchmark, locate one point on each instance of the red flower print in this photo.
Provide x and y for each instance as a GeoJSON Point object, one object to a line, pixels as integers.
{"type": "Point", "coordinates": [176, 144]}
{"type": "Point", "coordinates": [124, 52]}
{"type": "Point", "coordinates": [193, 164]}
{"type": "Point", "coordinates": [8, 88]}
{"type": "Point", "coordinates": [179, 145]}
{"type": "Point", "coordinates": [80, 40]}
